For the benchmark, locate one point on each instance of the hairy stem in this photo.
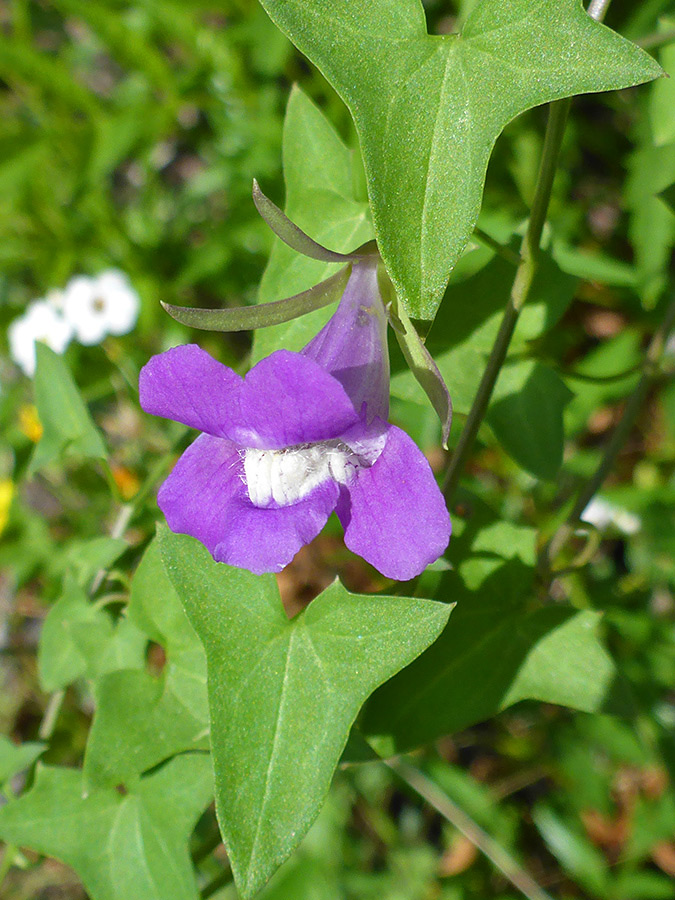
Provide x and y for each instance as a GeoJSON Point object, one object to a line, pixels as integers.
{"type": "Point", "coordinates": [498, 856]}
{"type": "Point", "coordinates": [650, 375]}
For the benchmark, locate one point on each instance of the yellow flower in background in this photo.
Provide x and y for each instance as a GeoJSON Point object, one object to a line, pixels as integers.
{"type": "Point", "coordinates": [127, 483]}
{"type": "Point", "coordinates": [6, 494]}
{"type": "Point", "coordinates": [29, 422]}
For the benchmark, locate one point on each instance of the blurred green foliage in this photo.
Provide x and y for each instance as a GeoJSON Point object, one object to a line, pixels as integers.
{"type": "Point", "coordinates": [129, 136]}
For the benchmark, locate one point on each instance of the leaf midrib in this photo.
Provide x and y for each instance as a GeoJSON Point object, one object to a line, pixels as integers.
{"type": "Point", "coordinates": [271, 762]}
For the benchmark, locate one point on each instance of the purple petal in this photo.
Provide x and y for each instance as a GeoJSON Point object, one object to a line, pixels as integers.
{"type": "Point", "coordinates": [189, 386]}
{"type": "Point", "coordinates": [287, 399]}
{"type": "Point", "coordinates": [266, 540]}
{"type": "Point", "coordinates": [352, 346]}
{"type": "Point", "coordinates": [205, 496]}
{"type": "Point", "coordinates": [198, 495]}
{"type": "Point", "coordinates": [394, 514]}
{"type": "Point", "coordinates": [367, 439]}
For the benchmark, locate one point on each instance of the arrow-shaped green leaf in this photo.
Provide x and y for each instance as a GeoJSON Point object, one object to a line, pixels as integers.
{"type": "Point", "coordinates": [498, 650]}
{"type": "Point", "coordinates": [129, 846]}
{"type": "Point", "coordinates": [143, 719]}
{"type": "Point", "coordinates": [284, 694]}
{"type": "Point", "coordinates": [428, 108]}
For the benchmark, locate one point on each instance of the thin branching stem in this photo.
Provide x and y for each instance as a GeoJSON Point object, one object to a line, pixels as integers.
{"type": "Point", "coordinates": [124, 516]}
{"type": "Point", "coordinates": [522, 285]}
{"type": "Point", "coordinates": [656, 40]}
{"type": "Point", "coordinates": [48, 723]}
{"type": "Point", "coordinates": [500, 249]}
{"type": "Point", "coordinates": [498, 856]}
{"type": "Point", "coordinates": [651, 373]}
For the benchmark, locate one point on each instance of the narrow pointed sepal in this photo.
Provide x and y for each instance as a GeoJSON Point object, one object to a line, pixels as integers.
{"type": "Point", "coordinates": [246, 318]}
{"type": "Point", "coordinates": [295, 237]}
{"type": "Point", "coordinates": [420, 361]}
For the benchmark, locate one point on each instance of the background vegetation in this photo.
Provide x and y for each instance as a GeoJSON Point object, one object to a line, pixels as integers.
{"type": "Point", "coordinates": [130, 133]}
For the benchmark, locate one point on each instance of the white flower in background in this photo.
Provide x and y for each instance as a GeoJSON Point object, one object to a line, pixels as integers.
{"type": "Point", "coordinates": [41, 322]}
{"type": "Point", "coordinates": [602, 513]}
{"type": "Point", "coordinates": [96, 307]}
{"type": "Point", "coordinates": [669, 349]}
{"type": "Point", "coordinates": [55, 299]}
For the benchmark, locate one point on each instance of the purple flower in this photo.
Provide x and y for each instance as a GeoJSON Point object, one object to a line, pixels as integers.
{"type": "Point", "coordinates": [301, 435]}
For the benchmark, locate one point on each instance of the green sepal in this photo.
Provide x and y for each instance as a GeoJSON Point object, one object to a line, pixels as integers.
{"type": "Point", "coordinates": [247, 318]}
{"type": "Point", "coordinates": [420, 361]}
{"type": "Point", "coordinates": [294, 237]}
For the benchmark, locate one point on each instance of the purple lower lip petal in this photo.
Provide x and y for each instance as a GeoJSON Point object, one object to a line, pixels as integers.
{"type": "Point", "coordinates": [266, 539]}
{"type": "Point", "coordinates": [393, 514]}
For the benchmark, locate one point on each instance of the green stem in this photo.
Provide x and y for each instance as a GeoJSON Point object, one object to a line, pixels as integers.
{"type": "Point", "coordinates": [435, 797]}
{"type": "Point", "coordinates": [650, 376]}
{"type": "Point", "coordinates": [656, 40]}
{"type": "Point", "coordinates": [124, 515]}
{"type": "Point", "coordinates": [119, 527]}
{"type": "Point", "coordinates": [529, 256]}
{"type": "Point", "coordinates": [112, 484]}
{"type": "Point", "coordinates": [52, 711]}
{"type": "Point", "coordinates": [527, 267]}
{"type": "Point", "coordinates": [480, 403]}
{"type": "Point", "coordinates": [505, 252]}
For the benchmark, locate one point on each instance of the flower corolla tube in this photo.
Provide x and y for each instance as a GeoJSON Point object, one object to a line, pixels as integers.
{"type": "Point", "coordinates": [302, 435]}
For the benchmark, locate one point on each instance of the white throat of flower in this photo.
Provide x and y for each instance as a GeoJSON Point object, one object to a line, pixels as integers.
{"type": "Point", "coordinates": [287, 476]}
